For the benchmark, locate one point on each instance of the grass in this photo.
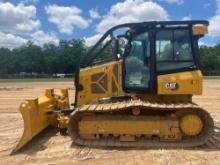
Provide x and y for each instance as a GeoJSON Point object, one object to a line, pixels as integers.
{"type": "Point", "coordinates": [212, 77]}
{"type": "Point", "coordinates": [36, 80]}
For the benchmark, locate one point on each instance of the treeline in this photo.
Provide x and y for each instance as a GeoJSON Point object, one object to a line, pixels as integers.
{"type": "Point", "coordinates": [210, 59]}
{"type": "Point", "coordinates": [64, 58]}
{"type": "Point", "coordinates": [49, 59]}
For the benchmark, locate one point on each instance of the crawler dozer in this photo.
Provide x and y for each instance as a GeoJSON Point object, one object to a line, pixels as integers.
{"type": "Point", "coordinates": [133, 88]}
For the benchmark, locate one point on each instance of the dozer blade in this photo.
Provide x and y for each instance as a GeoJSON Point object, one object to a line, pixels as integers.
{"type": "Point", "coordinates": [39, 113]}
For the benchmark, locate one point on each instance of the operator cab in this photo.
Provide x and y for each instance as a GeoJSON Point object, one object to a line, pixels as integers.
{"type": "Point", "coordinates": [160, 50]}
{"type": "Point", "coordinates": [149, 49]}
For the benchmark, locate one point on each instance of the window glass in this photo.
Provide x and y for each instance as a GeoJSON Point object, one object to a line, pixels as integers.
{"type": "Point", "coordinates": [103, 53]}
{"type": "Point", "coordinates": [136, 63]}
{"type": "Point", "coordinates": [182, 45]}
{"type": "Point", "coordinates": [173, 50]}
{"type": "Point", "coordinates": [164, 47]}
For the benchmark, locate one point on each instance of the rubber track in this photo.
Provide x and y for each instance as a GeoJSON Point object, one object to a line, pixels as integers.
{"type": "Point", "coordinates": [108, 108]}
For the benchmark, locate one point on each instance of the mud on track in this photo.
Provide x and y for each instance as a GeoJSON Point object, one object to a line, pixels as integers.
{"type": "Point", "coordinates": [51, 148]}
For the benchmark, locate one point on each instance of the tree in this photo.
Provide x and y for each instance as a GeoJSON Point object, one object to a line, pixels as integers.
{"type": "Point", "coordinates": [5, 60]}
{"type": "Point", "coordinates": [210, 58]}
{"type": "Point", "coordinates": [65, 57]}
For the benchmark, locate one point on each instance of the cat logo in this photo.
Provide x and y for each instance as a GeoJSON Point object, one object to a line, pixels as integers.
{"type": "Point", "coordinates": [172, 86]}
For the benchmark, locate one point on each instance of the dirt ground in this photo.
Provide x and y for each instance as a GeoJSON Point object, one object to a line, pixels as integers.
{"type": "Point", "coordinates": [51, 148]}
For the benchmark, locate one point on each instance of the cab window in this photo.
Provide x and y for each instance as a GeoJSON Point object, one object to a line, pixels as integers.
{"type": "Point", "coordinates": [137, 73]}
{"type": "Point", "coordinates": [173, 50]}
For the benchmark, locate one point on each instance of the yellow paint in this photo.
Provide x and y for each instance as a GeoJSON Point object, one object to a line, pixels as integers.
{"type": "Point", "coordinates": [189, 83]}
{"type": "Point", "coordinates": [38, 114]}
{"type": "Point", "coordinates": [165, 98]}
{"type": "Point", "coordinates": [200, 29]}
{"type": "Point", "coordinates": [86, 96]}
{"type": "Point", "coordinates": [166, 128]}
{"type": "Point", "coordinates": [191, 125]}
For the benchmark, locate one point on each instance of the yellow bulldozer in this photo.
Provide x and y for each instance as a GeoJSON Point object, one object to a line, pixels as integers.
{"type": "Point", "coordinates": [134, 88]}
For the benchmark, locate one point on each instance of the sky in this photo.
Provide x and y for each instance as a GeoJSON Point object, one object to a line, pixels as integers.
{"type": "Point", "coordinates": [48, 21]}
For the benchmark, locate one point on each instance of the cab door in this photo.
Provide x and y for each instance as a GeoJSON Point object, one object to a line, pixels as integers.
{"type": "Point", "coordinates": [137, 65]}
